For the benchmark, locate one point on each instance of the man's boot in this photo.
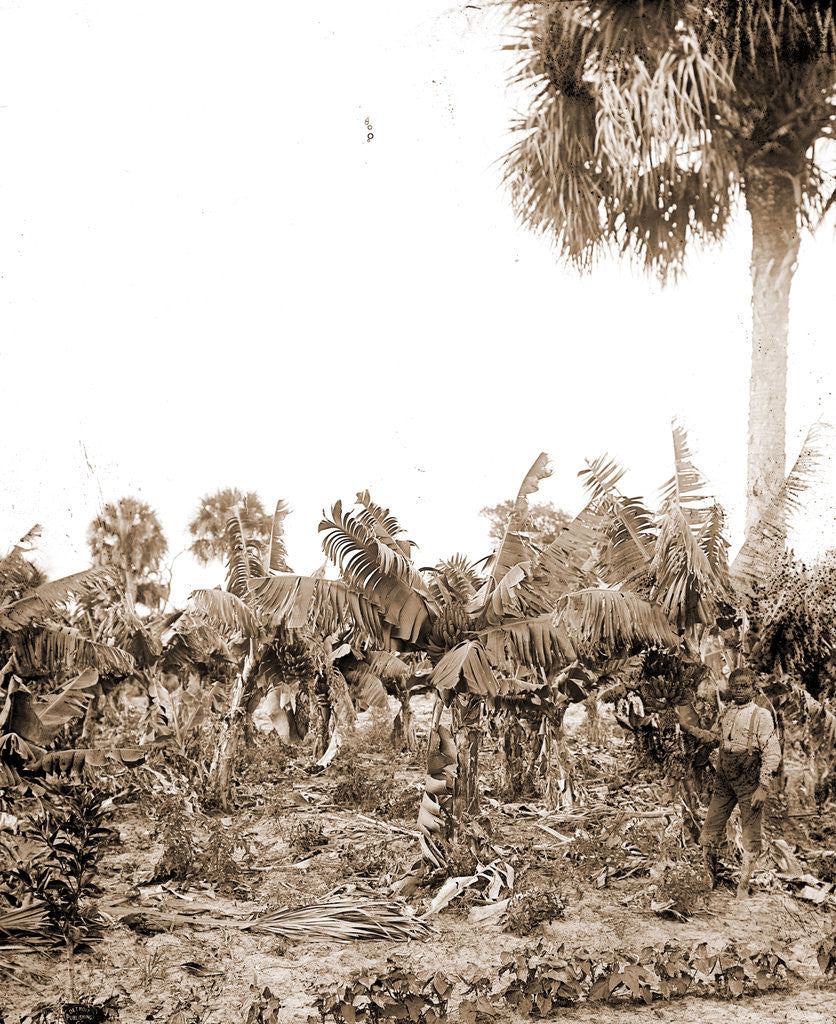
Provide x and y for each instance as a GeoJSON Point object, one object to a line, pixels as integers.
{"type": "Point", "coordinates": [746, 867]}
{"type": "Point", "coordinates": [709, 859]}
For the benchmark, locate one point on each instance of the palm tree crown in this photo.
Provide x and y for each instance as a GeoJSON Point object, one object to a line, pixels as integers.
{"type": "Point", "coordinates": [208, 525]}
{"type": "Point", "coordinates": [128, 534]}
{"type": "Point", "coordinates": [649, 120]}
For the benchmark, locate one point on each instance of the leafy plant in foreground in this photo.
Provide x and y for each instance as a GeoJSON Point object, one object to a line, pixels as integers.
{"type": "Point", "coordinates": [536, 980]}
{"type": "Point", "coordinates": [55, 862]}
{"type": "Point", "coordinates": [57, 856]}
{"type": "Point", "coordinates": [395, 993]}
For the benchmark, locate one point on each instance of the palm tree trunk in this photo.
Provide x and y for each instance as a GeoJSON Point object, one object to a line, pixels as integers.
{"type": "Point", "coordinates": [220, 771]}
{"type": "Point", "coordinates": [771, 201]}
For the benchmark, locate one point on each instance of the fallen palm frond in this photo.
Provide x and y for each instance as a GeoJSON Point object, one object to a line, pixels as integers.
{"type": "Point", "coordinates": [29, 924]}
{"type": "Point", "coordinates": [342, 921]}
{"type": "Point", "coordinates": [23, 931]}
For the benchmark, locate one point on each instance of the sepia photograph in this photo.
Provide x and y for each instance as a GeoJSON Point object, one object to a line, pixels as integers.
{"type": "Point", "coordinates": [418, 529]}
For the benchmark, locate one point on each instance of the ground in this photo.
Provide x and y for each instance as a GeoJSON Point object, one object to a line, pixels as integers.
{"type": "Point", "coordinates": [298, 838]}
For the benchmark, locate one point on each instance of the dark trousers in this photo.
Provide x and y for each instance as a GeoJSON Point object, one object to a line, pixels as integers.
{"type": "Point", "coordinates": [738, 776]}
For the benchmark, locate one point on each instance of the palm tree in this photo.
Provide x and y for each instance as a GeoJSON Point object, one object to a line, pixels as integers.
{"type": "Point", "coordinates": [208, 525]}
{"type": "Point", "coordinates": [28, 728]}
{"type": "Point", "coordinates": [649, 120]}
{"type": "Point", "coordinates": [129, 536]}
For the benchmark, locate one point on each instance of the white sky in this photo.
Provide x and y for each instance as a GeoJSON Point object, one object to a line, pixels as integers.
{"type": "Point", "coordinates": [209, 277]}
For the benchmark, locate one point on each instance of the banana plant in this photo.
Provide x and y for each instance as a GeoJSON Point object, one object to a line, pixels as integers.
{"type": "Point", "coordinates": [34, 637]}
{"type": "Point", "coordinates": [530, 609]}
{"type": "Point", "coordinates": [281, 622]}
{"type": "Point", "coordinates": [29, 725]}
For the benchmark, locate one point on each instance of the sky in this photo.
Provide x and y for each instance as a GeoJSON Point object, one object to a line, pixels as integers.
{"type": "Point", "coordinates": [210, 276]}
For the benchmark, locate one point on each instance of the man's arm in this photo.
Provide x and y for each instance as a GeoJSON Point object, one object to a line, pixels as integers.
{"type": "Point", "coordinates": [690, 723]}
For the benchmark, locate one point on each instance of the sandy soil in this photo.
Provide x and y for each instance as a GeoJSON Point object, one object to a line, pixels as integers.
{"type": "Point", "coordinates": [148, 972]}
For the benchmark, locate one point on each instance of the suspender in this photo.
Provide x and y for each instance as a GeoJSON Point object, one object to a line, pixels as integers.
{"type": "Point", "coordinates": [751, 733]}
{"type": "Point", "coordinates": [751, 729]}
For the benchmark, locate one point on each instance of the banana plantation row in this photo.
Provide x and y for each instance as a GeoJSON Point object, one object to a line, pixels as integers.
{"type": "Point", "coordinates": [629, 603]}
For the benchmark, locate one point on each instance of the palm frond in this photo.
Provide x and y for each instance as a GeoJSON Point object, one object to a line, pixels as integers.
{"type": "Point", "coordinates": [277, 561]}
{"type": "Point", "coordinates": [604, 622]}
{"type": "Point", "coordinates": [465, 669]}
{"type": "Point", "coordinates": [295, 602]}
{"type": "Point", "coordinates": [73, 762]}
{"type": "Point", "coordinates": [30, 923]}
{"type": "Point", "coordinates": [620, 93]}
{"type": "Point", "coordinates": [766, 539]}
{"type": "Point", "coordinates": [227, 610]}
{"type": "Point", "coordinates": [503, 571]}
{"type": "Point", "coordinates": [46, 598]}
{"type": "Point", "coordinates": [344, 920]}
{"type": "Point", "coordinates": [54, 648]}
{"type": "Point", "coordinates": [383, 524]}
{"type": "Point", "coordinates": [632, 534]}
{"type": "Point", "coordinates": [244, 559]}
{"type": "Point", "coordinates": [539, 643]}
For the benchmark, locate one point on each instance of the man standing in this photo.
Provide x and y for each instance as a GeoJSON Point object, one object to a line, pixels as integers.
{"type": "Point", "coordinates": [749, 754]}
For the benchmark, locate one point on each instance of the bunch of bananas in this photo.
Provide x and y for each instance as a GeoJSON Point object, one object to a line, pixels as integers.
{"type": "Point", "coordinates": [663, 690]}
{"type": "Point", "coordinates": [450, 627]}
{"type": "Point", "coordinates": [295, 660]}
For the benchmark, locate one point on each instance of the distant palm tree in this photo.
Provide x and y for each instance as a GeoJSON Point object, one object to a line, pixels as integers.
{"type": "Point", "coordinates": [650, 119]}
{"type": "Point", "coordinates": [208, 526]}
{"type": "Point", "coordinates": [129, 535]}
